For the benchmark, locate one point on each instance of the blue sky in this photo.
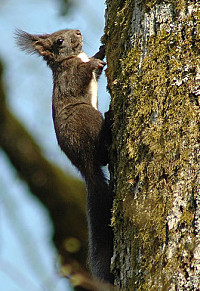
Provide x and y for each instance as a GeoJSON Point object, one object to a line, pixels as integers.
{"type": "Point", "coordinates": [27, 257]}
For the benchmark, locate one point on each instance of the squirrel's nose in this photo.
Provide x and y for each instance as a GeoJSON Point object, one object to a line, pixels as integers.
{"type": "Point", "coordinates": [78, 32]}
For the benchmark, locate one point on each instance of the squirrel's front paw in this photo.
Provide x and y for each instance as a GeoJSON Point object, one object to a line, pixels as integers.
{"type": "Point", "coordinates": [96, 63]}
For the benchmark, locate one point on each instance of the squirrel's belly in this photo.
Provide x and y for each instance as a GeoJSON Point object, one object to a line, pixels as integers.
{"type": "Point", "coordinates": [93, 83]}
{"type": "Point", "coordinates": [93, 92]}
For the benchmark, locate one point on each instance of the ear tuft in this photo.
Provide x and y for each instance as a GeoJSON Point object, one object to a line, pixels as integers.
{"type": "Point", "coordinates": [26, 41]}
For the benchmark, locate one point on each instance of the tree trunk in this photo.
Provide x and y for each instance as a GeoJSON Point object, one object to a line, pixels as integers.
{"type": "Point", "coordinates": [153, 76]}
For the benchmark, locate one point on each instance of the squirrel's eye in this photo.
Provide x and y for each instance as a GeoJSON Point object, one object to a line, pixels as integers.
{"type": "Point", "coordinates": [59, 41]}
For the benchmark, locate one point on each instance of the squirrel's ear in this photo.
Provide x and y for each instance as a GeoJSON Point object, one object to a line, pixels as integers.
{"type": "Point", "coordinates": [32, 43]}
{"type": "Point", "coordinates": [26, 41]}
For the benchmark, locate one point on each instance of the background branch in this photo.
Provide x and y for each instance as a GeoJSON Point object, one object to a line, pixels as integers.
{"type": "Point", "coordinates": [62, 195]}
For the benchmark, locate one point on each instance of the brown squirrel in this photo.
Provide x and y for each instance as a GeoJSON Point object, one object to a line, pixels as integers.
{"type": "Point", "coordinates": [80, 130]}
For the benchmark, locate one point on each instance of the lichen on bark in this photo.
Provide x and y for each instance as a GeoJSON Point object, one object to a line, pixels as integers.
{"type": "Point", "coordinates": [153, 77]}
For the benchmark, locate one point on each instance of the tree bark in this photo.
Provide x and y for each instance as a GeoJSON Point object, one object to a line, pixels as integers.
{"type": "Point", "coordinates": [153, 73]}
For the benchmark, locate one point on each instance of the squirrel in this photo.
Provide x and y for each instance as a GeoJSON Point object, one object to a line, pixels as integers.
{"type": "Point", "coordinates": [80, 129]}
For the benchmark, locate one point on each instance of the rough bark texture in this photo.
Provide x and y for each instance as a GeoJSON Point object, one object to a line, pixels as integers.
{"type": "Point", "coordinates": [153, 75]}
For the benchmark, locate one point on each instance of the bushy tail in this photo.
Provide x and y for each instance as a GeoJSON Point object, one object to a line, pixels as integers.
{"type": "Point", "coordinates": [99, 205]}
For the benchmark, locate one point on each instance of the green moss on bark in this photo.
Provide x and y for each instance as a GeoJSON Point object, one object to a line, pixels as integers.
{"type": "Point", "coordinates": [156, 134]}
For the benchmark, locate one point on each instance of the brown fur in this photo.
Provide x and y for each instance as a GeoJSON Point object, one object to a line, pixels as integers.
{"type": "Point", "coordinates": [80, 131]}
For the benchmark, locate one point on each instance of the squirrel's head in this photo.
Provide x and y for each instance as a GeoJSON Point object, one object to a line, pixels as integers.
{"type": "Point", "coordinates": [53, 47]}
